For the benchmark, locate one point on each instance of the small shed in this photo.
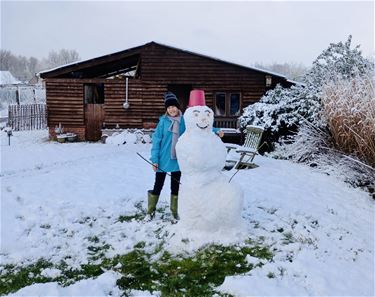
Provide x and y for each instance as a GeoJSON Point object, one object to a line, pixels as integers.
{"type": "Point", "coordinates": [125, 89]}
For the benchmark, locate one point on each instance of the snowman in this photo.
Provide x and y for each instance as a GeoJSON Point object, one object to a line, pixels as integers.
{"type": "Point", "coordinates": [207, 201]}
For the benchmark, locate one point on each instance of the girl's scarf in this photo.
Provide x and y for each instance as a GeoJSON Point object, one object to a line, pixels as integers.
{"type": "Point", "coordinates": [175, 129]}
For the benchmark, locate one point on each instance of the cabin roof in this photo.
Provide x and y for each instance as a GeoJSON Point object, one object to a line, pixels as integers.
{"type": "Point", "coordinates": [124, 61]}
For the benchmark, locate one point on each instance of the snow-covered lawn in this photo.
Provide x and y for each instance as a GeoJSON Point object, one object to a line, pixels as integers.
{"type": "Point", "coordinates": [83, 203]}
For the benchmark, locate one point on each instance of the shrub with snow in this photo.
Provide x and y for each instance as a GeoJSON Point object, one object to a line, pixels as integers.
{"type": "Point", "coordinates": [287, 108]}
{"type": "Point", "coordinates": [333, 112]}
{"type": "Point", "coordinates": [283, 108]}
{"type": "Point", "coordinates": [346, 147]}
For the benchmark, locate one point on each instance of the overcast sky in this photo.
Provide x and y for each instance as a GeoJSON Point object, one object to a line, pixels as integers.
{"type": "Point", "coordinates": [244, 32]}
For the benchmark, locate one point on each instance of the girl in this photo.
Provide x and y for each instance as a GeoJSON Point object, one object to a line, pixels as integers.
{"type": "Point", "coordinates": [163, 153]}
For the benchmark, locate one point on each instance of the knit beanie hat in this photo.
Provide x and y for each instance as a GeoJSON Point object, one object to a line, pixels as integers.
{"type": "Point", "coordinates": [170, 99]}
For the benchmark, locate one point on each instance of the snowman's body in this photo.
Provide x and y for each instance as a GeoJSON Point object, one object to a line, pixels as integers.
{"type": "Point", "coordinates": [207, 201]}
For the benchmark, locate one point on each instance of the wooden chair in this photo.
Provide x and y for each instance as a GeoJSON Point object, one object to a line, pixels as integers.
{"type": "Point", "coordinates": [248, 151]}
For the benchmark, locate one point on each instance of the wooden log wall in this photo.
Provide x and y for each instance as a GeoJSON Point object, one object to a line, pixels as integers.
{"type": "Point", "coordinates": [114, 92]}
{"type": "Point", "coordinates": [169, 66]}
{"type": "Point", "coordinates": [65, 102]}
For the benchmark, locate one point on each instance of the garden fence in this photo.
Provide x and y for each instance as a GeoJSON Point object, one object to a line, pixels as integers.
{"type": "Point", "coordinates": [27, 116]}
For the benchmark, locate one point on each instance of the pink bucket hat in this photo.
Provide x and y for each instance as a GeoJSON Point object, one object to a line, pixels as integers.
{"type": "Point", "coordinates": [197, 98]}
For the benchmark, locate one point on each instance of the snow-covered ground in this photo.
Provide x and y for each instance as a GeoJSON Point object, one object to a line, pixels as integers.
{"type": "Point", "coordinates": [55, 197]}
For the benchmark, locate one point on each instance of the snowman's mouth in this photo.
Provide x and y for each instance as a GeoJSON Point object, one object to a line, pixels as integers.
{"type": "Point", "coordinates": [202, 127]}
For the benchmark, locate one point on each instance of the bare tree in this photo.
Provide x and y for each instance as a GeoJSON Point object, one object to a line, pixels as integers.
{"type": "Point", "coordinates": [62, 57]}
{"type": "Point", "coordinates": [16, 65]}
{"type": "Point", "coordinates": [5, 59]}
{"type": "Point", "coordinates": [24, 68]}
{"type": "Point", "coordinates": [21, 67]}
{"type": "Point", "coordinates": [33, 65]}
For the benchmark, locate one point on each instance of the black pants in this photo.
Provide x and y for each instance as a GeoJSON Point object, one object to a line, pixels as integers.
{"type": "Point", "coordinates": [159, 182]}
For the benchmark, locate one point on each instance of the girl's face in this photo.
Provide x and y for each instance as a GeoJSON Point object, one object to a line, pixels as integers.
{"type": "Point", "coordinates": [173, 111]}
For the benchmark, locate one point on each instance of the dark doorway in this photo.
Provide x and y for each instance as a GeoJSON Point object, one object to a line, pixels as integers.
{"type": "Point", "coordinates": [182, 92]}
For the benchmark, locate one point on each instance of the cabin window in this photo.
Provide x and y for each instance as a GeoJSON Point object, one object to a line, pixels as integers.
{"type": "Point", "coordinates": [268, 81]}
{"type": "Point", "coordinates": [220, 104]}
{"type": "Point", "coordinates": [234, 104]}
{"type": "Point", "coordinates": [227, 104]}
{"type": "Point", "coordinates": [94, 93]}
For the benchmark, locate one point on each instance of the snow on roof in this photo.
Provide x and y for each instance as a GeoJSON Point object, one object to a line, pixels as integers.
{"type": "Point", "coordinates": [62, 66]}
{"type": "Point", "coordinates": [6, 78]}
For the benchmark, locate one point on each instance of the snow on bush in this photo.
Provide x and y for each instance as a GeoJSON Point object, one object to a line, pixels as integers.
{"type": "Point", "coordinates": [289, 107]}
{"type": "Point", "coordinates": [333, 112]}
{"type": "Point", "coordinates": [346, 147]}
{"type": "Point", "coordinates": [349, 107]}
{"type": "Point", "coordinates": [283, 108]}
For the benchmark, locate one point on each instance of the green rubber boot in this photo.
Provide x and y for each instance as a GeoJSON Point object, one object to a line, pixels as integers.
{"type": "Point", "coordinates": [152, 201]}
{"type": "Point", "coordinates": [174, 206]}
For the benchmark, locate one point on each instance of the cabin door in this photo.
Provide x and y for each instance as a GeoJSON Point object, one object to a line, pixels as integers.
{"type": "Point", "coordinates": [94, 117]}
{"type": "Point", "coordinates": [94, 110]}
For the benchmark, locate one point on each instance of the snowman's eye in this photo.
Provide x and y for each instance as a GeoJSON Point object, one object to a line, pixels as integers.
{"type": "Point", "coordinates": [208, 112]}
{"type": "Point", "coordinates": [196, 113]}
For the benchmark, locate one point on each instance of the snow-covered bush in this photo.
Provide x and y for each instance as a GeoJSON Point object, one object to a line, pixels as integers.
{"type": "Point", "coordinates": [346, 148]}
{"type": "Point", "coordinates": [349, 107]}
{"type": "Point", "coordinates": [286, 108]}
{"type": "Point", "coordinates": [332, 115]}
{"type": "Point", "coordinates": [283, 108]}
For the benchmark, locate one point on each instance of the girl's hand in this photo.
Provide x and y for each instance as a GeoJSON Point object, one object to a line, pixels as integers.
{"type": "Point", "coordinates": [220, 133]}
{"type": "Point", "coordinates": [155, 166]}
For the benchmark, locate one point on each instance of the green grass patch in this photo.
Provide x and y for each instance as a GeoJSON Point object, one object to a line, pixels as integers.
{"type": "Point", "coordinates": [195, 275]}
{"type": "Point", "coordinates": [129, 218]}
{"type": "Point", "coordinates": [139, 215]}
{"type": "Point", "coordinates": [14, 278]}
{"type": "Point", "coordinates": [172, 275]}
{"type": "Point", "coordinates": [147, 268]}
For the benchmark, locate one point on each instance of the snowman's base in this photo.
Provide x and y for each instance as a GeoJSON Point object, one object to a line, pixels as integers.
{"type": "Point", "coordinates": [191, 239]}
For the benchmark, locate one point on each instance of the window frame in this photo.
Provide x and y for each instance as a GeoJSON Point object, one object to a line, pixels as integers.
{"type": "Point", "coordinates": [97, 86]}
{"type": "Point", "coordinates": [225, 103]}
{"type": "Point", "coordinates": [268, 80]}
{"type": "Point", "coordinates": [228, 103]}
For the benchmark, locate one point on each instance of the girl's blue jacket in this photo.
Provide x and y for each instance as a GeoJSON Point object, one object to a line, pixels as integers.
{"type": "Point", "coordinates": [162, 142]}
{"type": "Point", "coordinates": [161, 145]}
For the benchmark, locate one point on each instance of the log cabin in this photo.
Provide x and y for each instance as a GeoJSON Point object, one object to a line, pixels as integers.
{"type": "Point", "coordinates": [125, 89]}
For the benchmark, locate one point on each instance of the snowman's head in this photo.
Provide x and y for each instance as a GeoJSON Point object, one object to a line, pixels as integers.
{"type": "Point", "coordinates": [199, 118]}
